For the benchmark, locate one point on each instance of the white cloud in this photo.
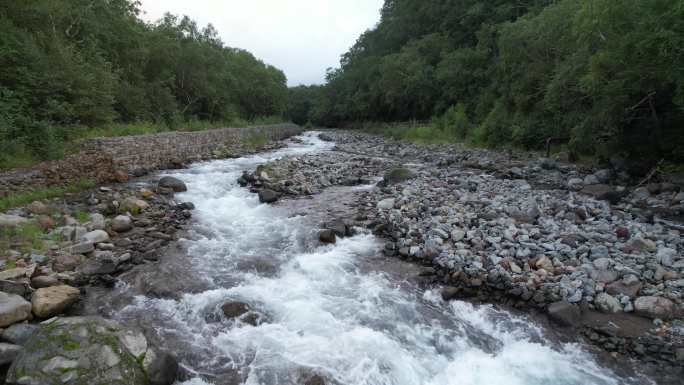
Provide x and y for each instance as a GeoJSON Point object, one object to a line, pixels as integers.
{"type": "Point", "coordinates": [301, 37]}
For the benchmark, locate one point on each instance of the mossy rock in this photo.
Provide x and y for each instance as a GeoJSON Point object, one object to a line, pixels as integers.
{"type": "Point", "coordinates": [82, 351]}
{"type": "Point", "coordinates": [397, 175]}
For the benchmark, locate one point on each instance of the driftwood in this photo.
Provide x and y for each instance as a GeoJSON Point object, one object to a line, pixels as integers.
{"type": "Point", "coordinates": [651, 173]}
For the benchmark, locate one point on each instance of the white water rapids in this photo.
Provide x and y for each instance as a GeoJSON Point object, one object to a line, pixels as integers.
{"type": "Point", "coordinates": [327, 315]}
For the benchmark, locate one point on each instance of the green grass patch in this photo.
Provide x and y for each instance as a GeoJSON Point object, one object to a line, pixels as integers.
{"type": "Point", "coordinates": [256, 140]}
{"type": "Point", "coordinates": [423, 133]}
{"type": "Point", "coordinates": [81, 216]}
{"type": "Point", "coordinates": [28, 236]}
{"type": "Point", "coordinates": [24, 198]}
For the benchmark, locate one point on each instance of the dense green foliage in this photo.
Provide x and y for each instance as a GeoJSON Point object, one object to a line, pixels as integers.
{"type": "Point", "coordinates": [68, 66]}
{"type": "Point", "coordinates": [603, 76]}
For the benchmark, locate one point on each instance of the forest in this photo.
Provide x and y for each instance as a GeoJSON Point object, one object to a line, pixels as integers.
{"type": "Point", "coordinates": [599, 77]}
{"type": "Point", "coordinates": [76, 68]}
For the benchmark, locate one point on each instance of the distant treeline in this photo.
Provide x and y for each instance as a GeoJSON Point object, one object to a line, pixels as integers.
{"type": "Point", "coordinates": [67, 66]}
{"type": "Point", "coordinates": [603, 76]}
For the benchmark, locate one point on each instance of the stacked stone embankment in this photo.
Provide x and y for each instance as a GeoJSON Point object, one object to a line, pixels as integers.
{"type": "Point", "coordinates": [109, 159]}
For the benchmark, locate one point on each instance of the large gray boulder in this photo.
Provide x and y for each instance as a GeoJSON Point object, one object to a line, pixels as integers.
{"type": "Point", "coordinates": [174, 184]}
{"type": "Point", "coordinates": [13, 309]}
{"type": "Point", "coordinates": [90, 350]}
{"type": "Point", "coordinates": [268, 196]}
{"type": "Point", "coordinates": [654, 307]}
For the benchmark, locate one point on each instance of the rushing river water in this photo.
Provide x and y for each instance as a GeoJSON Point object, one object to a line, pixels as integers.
{"type": "Point", "coordinates": [326, 309]}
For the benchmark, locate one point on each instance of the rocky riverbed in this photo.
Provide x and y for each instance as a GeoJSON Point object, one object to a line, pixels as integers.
{"type": "Point", "coordinates": [600, 257]}
{"type": "Point", "coordinates": [581, 245]}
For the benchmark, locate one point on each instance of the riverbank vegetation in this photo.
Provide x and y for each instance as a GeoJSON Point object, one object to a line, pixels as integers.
{"type": "Point", "coordinates": [73, 69]}
{"type": "Point", "coordinates": [600, 77]}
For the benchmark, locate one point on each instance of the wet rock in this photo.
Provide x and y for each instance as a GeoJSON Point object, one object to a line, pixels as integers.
{"type": "Point", "coordinates": [19, 333]}
{"type": "Point", "coordinates": [268, 196]}
{"type": "Point", "coordinates": [13, 309]}
{"type": "Point", "coordinates": [172, 183]}
{"type": "Point", "coordinates": [327, 236]}
{"type": "Point", "coordinates": [102, 263]}
{"type": "Point", "coordinates": [654, 307]}
{"type": "Point", "coordinates": [339, 228]}
{"type": "Point", "coordinates": [606, 303]}
{"type": "Point", "coordinates": [565, 314]}
{"type": "Point", "coordinates": [82, 350]}
{"type": "Point", "coordinates": [234, 309]}
{"type": "Point", "coordinates": [161, 369]}
{"type": "Point", "coordinates": [8, 353]}
{"type": "Point", "coordinates": [449, 293]}
{"type": "Point", "coordinates": [122, 223]}
{"type": "Point", "coordinates": [186, 206]}
{"type": "Point", "coordinates": [51, 301]}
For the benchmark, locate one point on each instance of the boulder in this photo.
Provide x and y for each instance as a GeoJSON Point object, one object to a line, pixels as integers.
{"type": "Point", "coordinates": [13, 309]}
{"type": "Point", "coordinates": [234, 309]}
{"type": "Point", "coordinates": [565, 314]}
{"type": "Point", "coordinates": [67, 262]}
{"type": "Point", "coordinates": [38, 208]}
{"type": "Point", "coordinates": [133, 205]}
{"type": "Point", "coordinates": [102, 263]}
{"type": "Point", "coordinates": [339, 228]}
{"type": "Point", "coordinates": [386, 204]}
{"type": "Point", "coordinates": [82, 248]}
{"type": "Point", "coordinates": [268, 196]}
{"type": "Point", "coordinates": [629, 286]}
{"type": "Point", "coordinates": [19, 333]}
{"type": "Point", "coordinates": [606, 303]}
{"type": "Point", "coordinates": [11, 220]}
{"type": "Point", "coordinates": [90, 350]}
{"type": "Point", "coordinates": [44, 281]}
{"type": "Point", "coordinates": [397, 175]}
{"type": "Point", "coordinates": [327, 236]}
{"type": "Point", "coordinates": [122, 223]}
{"type": "Point", "coordinates": [17, 272]}
{"type": "Point", "coordinates": [53, 300]}
{"type": "Point", "coordinates": [96, 236]}
{"type": "Point", "coordinates": [8, 353]}
{"type": "Point", "coordinates": [172, 183]}
{"type": "Point", "coordinates": [654, 307]}
{"type": "Point", "coordinates": [97, 221]}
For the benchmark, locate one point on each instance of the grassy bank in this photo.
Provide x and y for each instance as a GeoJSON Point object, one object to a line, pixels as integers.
{"type": "Point", "coordinates": [24, 198]}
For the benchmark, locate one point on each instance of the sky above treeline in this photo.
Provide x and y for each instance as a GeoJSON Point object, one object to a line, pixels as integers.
{"type": "Point", "coordinates": [301, 37]}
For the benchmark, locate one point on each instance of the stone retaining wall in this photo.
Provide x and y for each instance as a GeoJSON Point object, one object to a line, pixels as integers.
{"type": "Point", "coordinates": [100, 159]}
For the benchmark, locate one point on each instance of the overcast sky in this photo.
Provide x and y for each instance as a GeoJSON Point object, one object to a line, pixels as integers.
{"type": "Point", "coordinates": [301, 37]}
